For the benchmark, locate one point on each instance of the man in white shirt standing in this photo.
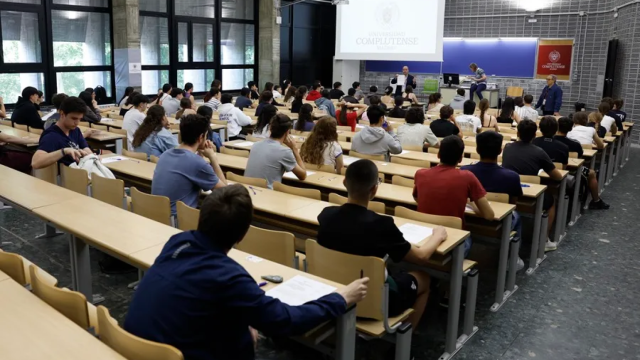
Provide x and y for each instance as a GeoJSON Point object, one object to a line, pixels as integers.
{"type": "Point", "coordinates": [234, 117]}
{"type": "Point", "coordinates": [527, 112]}
{"type": "Point", "coordinates": [134, 117]}
{"type": "Point", "coordinates": [469, 122]}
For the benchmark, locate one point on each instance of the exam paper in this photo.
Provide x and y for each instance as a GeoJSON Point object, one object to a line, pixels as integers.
{"type": "Point", "coordinates": [112, 159]}
{"type": "Point", "coordinates": [415, 233]}
{"type": "Point", "coordinates": [300, 290]}
{"type": "Point", "coordinates": [46, 117]}
{"type": "Point", "coordinates": [401, 80]}
{"type": "Point", "coordinates": [348, 160]}
{"type": "Point", "coordinates": [404, 152]}
{"type": "Point", "coordinates": [290, 175]}
{"type": "Point", "coordinates": [244, 144]}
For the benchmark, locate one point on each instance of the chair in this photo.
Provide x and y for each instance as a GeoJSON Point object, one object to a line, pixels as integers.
{"type": "Point", "coordinates": [276, 246]}
{"type": "Point", "coordinates": [135, 155]}
{"type": "Point", "coordinates": [188, 217]}
{"type": "Point", "coordinates": [247, 180]}
{"type": "Point", "coordinates": [75, 179]}
{"type": "Point", "coordinates": [234, 152]}
{"type": "Point", "coordinates": [308, 193]}
{"type": "Point", "coordinates": [21, 127]}
{"type": "Point", "coordinates": [154, 159]}
{"type": "Point", "coordinates": [110, 191]}
{"type": "Point", "coordinates": [417, 163]}
{"type": "Point", "coordinates": [12, 265]}
{"type": "Point", "coordinates": [514, 91]}
{"type": "Point", "coordinates": [374, 206]}
{"type": "Point", "coordinates": [446, 221]}
{"type": "Point", "coordinates": [48, 174]}
{"type": "Point", "coordinates": [131, 346]}
{"type": "Point", "coordinates": [496, 197]}
{"type": "Point", "coordinates": [71, 304]}
{"type": "Point", "coordinates": [432, 150]}
{"type": "Point", "coordinates": [402, 181]}
{"type": "Point", "coordinates": [475, 156]}
{"type": "Point", "coordinates": [559, 166]}
{"type": "Point", "coordinates": [364, 156]}
{"type": "Point", "coordinates": [431, 86]}
{"type": "Point", "coordinates": [419, 148]}
{"type": "Point", "coordinates": [99, 127]}
{"type": "Point", "coordinates": [530, 179]}
{"type": "Point", "coordinates": [344, 128]}
{"type": "Point", "coordinates": [153, 207]}
{"type": "Point", "coordinates": [35, 131]}
{"type": "Point", "coordinates": [573, 155]}
{"type": "Point", "coordinates": [323, 168]}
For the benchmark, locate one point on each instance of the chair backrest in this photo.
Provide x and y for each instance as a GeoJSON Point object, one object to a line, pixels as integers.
{"type": "Point", "coordinates": [475, 156]}
{"type": "Point", "coordinates": [432, 150]}
{"type": "Point", "coordinates": [417, 163]}
{"type": "Point", "coordinates": [99, 127]}
{"type": "Point", "coordinates": [21, 127]}
{"type": "Point", "coordinates": [135, 155]}
{"type": "Point", "coordinates": [48, 174]}
{"type": "Point", "coordinates": [514, 91]}
{"type": "Point", "coordinates": [430, 86]}
{"type": "Point", "coordinates": [247, 180]}
{"type": "Point", "coordinates": [344, 268]}
{"type": "Point", "coordinates": [154, 159]}
{"type": "Point", "coordinates": [587, 146]}
{"type": "Point", "coordinates": [314, 194]}
{"type": "Point", "coordinates": [496, 197]}
{"type": "Point", "coordinates": [573, 155]}
{"type": "Point", "coordinates": [188, 217]}
{"type": "Point", "coordinates": [344, 128]}
{"type": "Point", "coordinates": [234, 152]}
{"type": "Point", "coordinates": [71, 304]}
{"type": "Point", "coordinates": [129, 345]}
{"type": "Point", "coordinates": [448, 221]}
{"type": "Point", "coordinates": [153, 207]}
{"type": "Point", "coordinates": [323, 168]}
{"type": "Point", "coordinates": [110, 191]}
{"type": "Point", "coordinates": [125, 145]}
{"type": "Point", "coordinates": [12, 265]}
{"type": "Point", "coordinates": [419, 148]}
{"type": "Point", "coordinates": [374, 206]}
{"type": "Point", "coordinates": [402, 181]}
{"type": "Point", "coordinates": [76, 180]}
{"type": "Point", "coordinates": [276, 246]}
{"type": "Point", "coordinates": [530, 179]}
{"type": "Point", "coordinates": [35, 131]}
{"type": "Point", "coordinates": [364, 156]}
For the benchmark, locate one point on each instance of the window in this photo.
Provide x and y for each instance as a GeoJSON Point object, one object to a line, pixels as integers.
{"type": "Point", "coordinates": [99, 3]}
{"type": "Point", "coordinates": [202, 42]}
{"type": "Point", "coordinates": [201, 79]}
{"type": "Point", "coordinates": [237, 44]}
{"type": "Point", "coordinates": [237, 9]}
{"type": "Point", "coordinates": [20, 37]}
{"type": "Point", "coordinates": [235, 79]}
{"type": "Point", "coordinates": [37, 2]}
{"type": "Point", "coordinates": [11, 85]}
{"type": "Point", "coordinates": [196, 8]}
{"type": "Point", "coordinates": [183, 42]}
{"type": "Point", "coordinates": [73, 83]}
{"type": "Point", "coordinates": [152, 80]}
{"type": "Point", "coordinates": [153, 5]}
{"type": "Point", "coordinates": [154, 40]}
{"type": "Point", "coordinates": [81, 38]}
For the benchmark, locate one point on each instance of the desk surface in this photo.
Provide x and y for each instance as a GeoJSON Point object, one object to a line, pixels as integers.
{"type": "Point", "coordinates": [4, 276]}
{"type": "Point", "coordinates": [102, 135]}
{"type": "Point", "coordinates": [33, 330]}
{"type": "Point", "coordinates": [8, 130]}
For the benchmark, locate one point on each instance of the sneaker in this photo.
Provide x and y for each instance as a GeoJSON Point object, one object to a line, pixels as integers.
{"type": "Point", "coordinates": [600, 205]}
{"type": "Point", "coordinates": [520, 265]}
{"type": "Point", "coordinates": [550, 246]}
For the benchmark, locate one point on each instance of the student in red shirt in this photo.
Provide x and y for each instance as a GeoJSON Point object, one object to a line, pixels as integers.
{"type": "Point", "coordinates": [444, 190]}
{"type": "Point", "coordinates": [314, 94]}
{"type": "Point", "coordinates": [348, 114]}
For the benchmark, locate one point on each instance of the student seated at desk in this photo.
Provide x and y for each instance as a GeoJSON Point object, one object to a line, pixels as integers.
{"type": "Point", "coordinates": [359, 95]}
{"type": "Point", "coordinates": [314, 94]}
{"type": "Point", "coordinates": [134, 117]}
{"type": "Point", "coordinates": [410, 96]}
{"type": "Point", "coordinates": [349, 113]}
{"type": "Point", "coordinates": [63, 142]}
{"type": "Point", "coordinates": [152, 137]}
{"type": "Point", "coordinates": [397, 112]}
{"type": "Point", "coordinates": [163, 94]}
{"type": "Point", "coordinates": [508, 114]}
{"type": "Point", "coordinates": [214, 137]}
{"type": "Point", "coordinates": [373, 91]}
{"type": "Point", "coordinates": [325, 104]}
{"type": "Point", "coordinates": [527, 159]}
{"type": "Point", "coordinates": [594, 120]}
{"type": "Point", "coordinates": [269, 159]}
{"type": "Point", "coordinates": [351, 97]}
{"type": "Point", "coordinates": [558, 152]}
{"type": "Point", "coordinates": [469, 122]}
{"type": "Point", "coordinates": [589, 176]}
{"type": "Point", "coordinates": [243, 101]}
{"type": "Point", "coordinates": [212, 99]}
{"type": "Point", "coordinates": [336, 93]}
{"type": "Point", "coordinates": [264, 121]}
{"type": "Point", "coordinates": [172, 104]}
{"type": "Point", "coordinates": [127, 92]}
{"type": "Point", "coordinates": [496, 179]}
{"type": "Point", "coordinates": [607, 121]}
{"type": "Point", "coordinates": [266, 98]}
{"type": "Point", "coordinates": [181, 173]}
{"type": "Point", "coordinates": [527, 112]}
{"type": "Point", "coordinates": [375, 139]}
{"type": "Point", "coordinates": [255, 95]}
{"type": "Point", "coordinates": [354, 229]}
{"type": "Point", "coordinates": [301, 93]}
{"type": "Point", "coordinates": [458, 101]}
{"type": "Point", "coordinates": [305, 119]}
{"type": "Point", "coordinates": [614, 114]}
{"type": "Point", "coordinates": [617, 109]}
{"type": "Point", "coordinates": [128, 105]}
{"type": "Point", "coordinates": [234, 117]}
{"type": "Point", "coordinates": [444, 190]}
{"type": "Point", "coordinates": [185, 108]}
{"type": "Point", "coordinates": [435, 102]}
{"type": "Point", "coordinates": [446, 125]}
{"type": "Point", "coordinates": [322, 147]}
{"type": "Point", "coordinates": [582, 132]}
{"type": "Point", "coordinates": [290, 95]}
{"type": "Point", "coordinates": [25, 112]}
{"type": "Point", "coordinates": [388, 99]}
{"type": "Point", "coordinates": [488, 121]}
{"type": "Point", "coordinates": [204, 303]}
{"type": "Point", "coordinates": [414, 132]}
{"type": "Point", "coordinates": [93, 111]}
{"type": "Point", "coordinates": [57, 102]}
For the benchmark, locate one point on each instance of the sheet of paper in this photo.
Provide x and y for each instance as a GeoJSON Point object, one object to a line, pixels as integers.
{"type": "Point", "coordinates": [254, 259]}
{"type": "Point", "coordinates": [244, 144]}
{"type": "Point", "coordinates": [106, 120]}
{"type": "Point", "coordinates": [300, 290]}
{"type": "Point", "coordinates": [112, 159]}
{"type": "Point", "coordinates": [415, 233]}
{"type": "Point", "coordinates": [469, 208]}
{"type": "Point", "coordinates": [404, 152]}
{"type": "Point", "coordinates": [401, 80]}
{"type": "Point", "coordinates": [348, 160]}
{"type": "Point", "coordinates": [290, 175]}
{"type": "Point", "coordinates": [540, 172]}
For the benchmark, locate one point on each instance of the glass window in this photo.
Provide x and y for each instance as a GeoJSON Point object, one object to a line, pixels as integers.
{"type": "Point", "coordinates": [100, 3]}
{"type": "Point", "coordinates": [183, 42]}
{"type": "Point", "coordinates": [73, 83]}
{"type": "Point", "coordinates": [152, 80]}
{"type": "Point", "coordinates": [235, 79]}
{"type": "Point", "coordinates": [23, 1]}
{"type": "Point", "coordinates": [203, 42]}
{"type": "Point", "coordinates": [20, 37]}
{"type": "Point", "coordinates": [237, 9]}
{"type": "Point", "coordinates": [11, 85]}
{"type": "Point", "coordinates": [237, 44]}
{"type": "Point", "coordinates": [197, 8]}
{"type": "Point", "coordinates": [153, 5]}
{"type": "Point", "coordinates": [200, 78]}
{"type": "Point", "coordinates": [81, 38]}
{"type": "Point", "coordinates": [154, 40]}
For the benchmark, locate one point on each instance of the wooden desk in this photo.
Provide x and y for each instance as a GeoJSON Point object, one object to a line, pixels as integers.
{"type": "Point", "coordinates": [105, 138]}
{"type": "Point", "coordinates": [432, 158]}
{"type": "Point", "coordinates": [8, 130]}
{"type": "Point", "coordinates": [33, 330]}
{"type": "Point", "coordinates": [4, 276]}
{"type": "Point", "coordinates": [111, 123]}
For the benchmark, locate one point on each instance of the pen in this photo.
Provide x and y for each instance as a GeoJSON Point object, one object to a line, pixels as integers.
{"type": "Point", "coordinates": [262, 284]}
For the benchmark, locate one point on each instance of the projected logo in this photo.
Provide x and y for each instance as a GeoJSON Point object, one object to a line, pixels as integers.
{"type": "Point", "coordinates": [387, 14]}
{"type": "Point", "coordinates": [554, 56]}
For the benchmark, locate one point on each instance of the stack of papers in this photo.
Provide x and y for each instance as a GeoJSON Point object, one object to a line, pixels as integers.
{"type": "Point", "coordinates": [415, 233]}
{"type": "Point", "coordinates": [244, 144]}
{"type": "Point", "coordinates": [300, 290]}
{"type": "Point", "coordinates": [291, 176]}
{"type": "Point", "coordinates": [112, 159]}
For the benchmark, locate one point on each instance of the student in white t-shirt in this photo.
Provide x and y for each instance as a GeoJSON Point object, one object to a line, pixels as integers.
{"type": "Point", "coordinates": [322, 147]}
{"type": "Point", "coordinates": [582, 133]}
{"type": "Point", "coordinates": [469, 122]}
{"type": "Point", "coordinates": [607, 121]}
{"type": "Point", "coordinates": [527, 112]}
{"type": "Point", "coordinates": [134, 117]}
{"type": "Point", "coordinates": [164, 94]}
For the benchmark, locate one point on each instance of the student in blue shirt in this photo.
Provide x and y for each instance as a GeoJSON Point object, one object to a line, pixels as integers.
{"type": "Point", "coordinates": [198, 299]}
{"type": "Point", "coordinates": [152, 137]}
{"type": "Point", "coordinates": [243, 100]}
{"type": "Point", "coordinates": [63, 142]}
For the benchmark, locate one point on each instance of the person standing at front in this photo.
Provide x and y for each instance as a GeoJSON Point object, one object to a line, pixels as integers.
{"type": "Point", "coordinates": [480, 81]}
{"type": "Point", "coordinates": [551, 98]}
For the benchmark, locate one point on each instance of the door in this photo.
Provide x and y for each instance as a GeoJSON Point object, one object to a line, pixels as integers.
{"type": "Point", "coordinates": [610, 73]}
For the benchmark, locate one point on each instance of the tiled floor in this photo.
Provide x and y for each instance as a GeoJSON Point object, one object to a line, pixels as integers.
{"type": "Point", "coordinates": [581, 304]}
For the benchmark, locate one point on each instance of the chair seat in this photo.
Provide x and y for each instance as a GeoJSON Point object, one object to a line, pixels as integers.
{"type": "Point", "coordinates": [466, 266]}
{"type": "Point", "coordinates": [93, 316]}
{"type": "Point", "coordinates": [128, 203]}
{"type": "Point", "coordinates": [301, 258]}
{"type": "Point", "coordinates": [376, 328]}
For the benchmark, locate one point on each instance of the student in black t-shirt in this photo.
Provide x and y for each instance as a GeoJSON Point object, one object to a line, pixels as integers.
{"type": "Point", "coordinates": [589, 176]}
{"type": "Point", "coordinates": [613, 113]}
{"type": "Point", "coordinates": [336, 93]}
{"type": "Point", "coordinates": [527, 159]}
{"type": "Point", "coordinates": [446, 125]}
{"type": "Point", "coordinates": [557, 151]}
{"type": "Point", "coordinates": [353, 229]}
{"type": "Point", "coordinates": [621, 115]}
{"type": "Point", "coordinates": [397, 112]}
{"type": "Point", "coordinates": [350, 98]}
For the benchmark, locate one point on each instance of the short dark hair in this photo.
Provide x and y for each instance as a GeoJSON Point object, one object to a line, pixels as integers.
{"type": "Point", "coordinates": [604, 108]}
{"type": "Point", "coordinates": [375, 114]}
{"type": "Point", "coordinates": [361, 177]}
{"type": "Point", "coordinates": [446, 112]}
{"type": "Point", "coordinates": [337, 84]}
{"type": "Point", "coordinates": [548, 126]}
{"type": "Point", "coordinates": [279, 125]}
{"type": "Point", "coordinates": [565, 125]}
{"type": "Point", "coordinates": [226, 98]}
{"type": "Point", "coordinates": [316, 86]}
{"type": "Point", "coordinates": [518, 101]}
{"type": "Point", "coordinates": [415, 115]}
{"type": "Point", "coordinates": [351, 92]}
{"type": "Point", "coordinates": [356, 84]}
{"type": "Point", "coordinates": [451, 150]}
{"type": "Point", "coordinates": [527, 130]}
{"type": "Point", "coordinates": [225, 215]}
{"type": "Point", "coordinates": [166, 88]}
{"type": "Point", "coordinates": [205, 111]}
{"type": "Point", "coordinates": [581, 118]}
{"type": "Point", "coordinates": [28, 92]}
{"type": "Point", "coordinates": [139, 99]}
{"type": "Point", "coordinates": [374, 100]}
{"type": "Point", "coordinates": [528, 99]}
{"type": "Point", "coordinates": [251, 84]}
{"type": "Point", "coordinates": [57, 100]}
{"type": "Point", "coordinates": [469, 107]}
{"type": "Point", "coordinates": [185, 103]}
{"type": "Point", "coordinates": [399, 100]}
{"type": "Point", "coordinates": [461, 92]}
{"type": "Point", "coordinates": [489, 144]}
{"type": "Point", "coordinates": [619, 103]}
{"type": "Point", "coordinates": [192, 127]}
{"type": "Point", "coordinates": [373, 89]}
{"type": "Point", "coordinates": [245, 91]}
{"type": "Point", "coordinates": [326, 93]}
{"type": "Point", "coordinates": [608, 100]}
{"type": "Point", "coordinates": [73, 104]}
{"type": "Point", "coordinates": [266, 96]}
{"type": "Point", "coordinates": [176, 91]}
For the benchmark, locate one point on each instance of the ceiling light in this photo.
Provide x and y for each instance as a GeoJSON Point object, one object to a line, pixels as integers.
{"type": "Point", "coordinates": [533, 5]}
